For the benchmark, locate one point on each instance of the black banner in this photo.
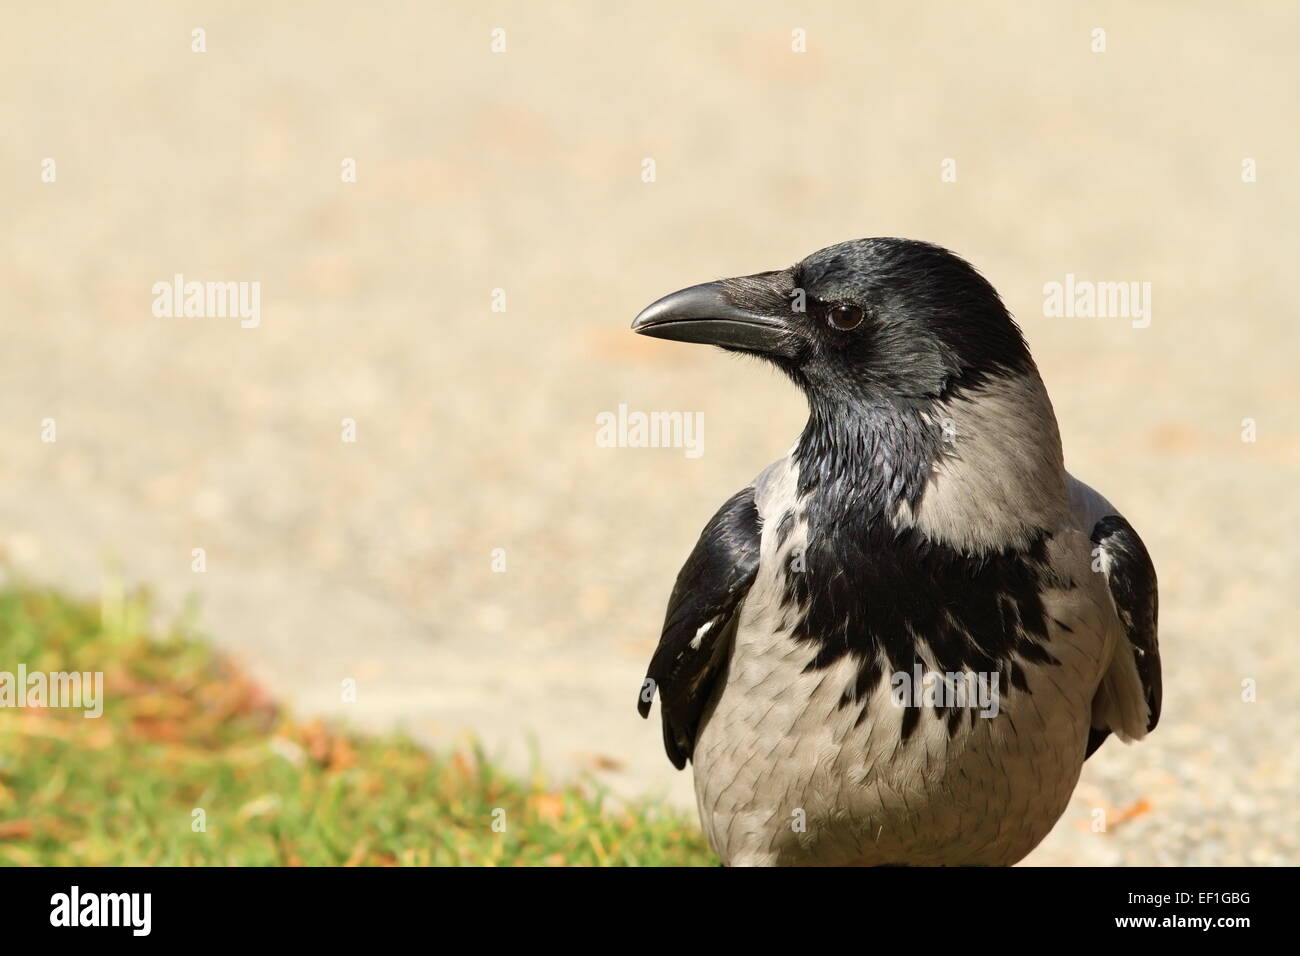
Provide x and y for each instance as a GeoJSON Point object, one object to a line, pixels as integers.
{"type": "Point", "coordinates": [899, 905]}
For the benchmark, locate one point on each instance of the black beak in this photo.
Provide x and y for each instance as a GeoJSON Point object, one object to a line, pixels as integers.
{"type": "Point", "coordinates": [709, 314]}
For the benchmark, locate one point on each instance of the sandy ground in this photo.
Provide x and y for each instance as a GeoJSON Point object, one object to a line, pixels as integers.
{"type": "Point", "coordinates": [522, 171]}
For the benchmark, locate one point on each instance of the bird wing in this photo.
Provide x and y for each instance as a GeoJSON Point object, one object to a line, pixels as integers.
{"type": "Point", "coordinates": [1128, 700]}
{"type": "Point", "coordinates": [700, 622]}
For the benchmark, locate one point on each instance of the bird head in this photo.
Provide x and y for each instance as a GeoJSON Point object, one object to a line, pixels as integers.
{"type": "Point", "coordinates": [865, 321]}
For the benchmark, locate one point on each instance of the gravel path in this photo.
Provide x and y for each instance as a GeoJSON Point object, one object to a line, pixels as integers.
{"type": "Point", "coordinates": [475, 429]}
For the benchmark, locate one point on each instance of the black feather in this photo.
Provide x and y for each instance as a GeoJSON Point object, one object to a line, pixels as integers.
{"type": "Point", "coordinates": [709, 589]}
{"type": "Point", "coordinates": [1132, 580]}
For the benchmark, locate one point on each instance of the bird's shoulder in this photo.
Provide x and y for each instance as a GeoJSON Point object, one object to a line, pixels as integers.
{"type": "Point", "coordinates": [700, 621]}
{"type": "Point", "coordinates": [1129, 698]}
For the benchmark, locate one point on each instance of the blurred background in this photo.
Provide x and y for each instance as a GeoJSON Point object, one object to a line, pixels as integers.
{"type": "Point", "coordinates": [523, 171]}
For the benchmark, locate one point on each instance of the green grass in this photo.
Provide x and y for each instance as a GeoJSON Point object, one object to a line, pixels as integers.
{"type": "Point", "coordinates": [184, 729]}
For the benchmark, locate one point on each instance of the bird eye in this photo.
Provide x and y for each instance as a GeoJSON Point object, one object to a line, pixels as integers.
{"type": "Point", "coordinates": [844, 317]}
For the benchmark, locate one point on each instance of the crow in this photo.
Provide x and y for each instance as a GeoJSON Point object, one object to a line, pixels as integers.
{"type": "Point", "coordinates": [899, 643]}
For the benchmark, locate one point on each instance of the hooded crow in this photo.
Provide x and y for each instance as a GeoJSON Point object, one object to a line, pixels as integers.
{"type": "Point", "coordinates": [898, 645]}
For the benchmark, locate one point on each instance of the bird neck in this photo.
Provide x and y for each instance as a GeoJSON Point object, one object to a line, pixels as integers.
{"type": "Point", "coordinates": [978, 468]}
{"type": "Point", "coordinates": [863, 458]}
